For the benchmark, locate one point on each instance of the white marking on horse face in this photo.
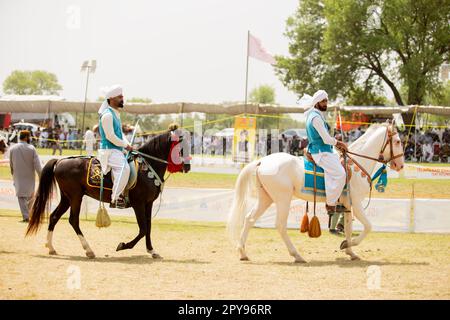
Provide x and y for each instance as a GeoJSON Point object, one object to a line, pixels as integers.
{"type": "Point", "coordinates": [397, 148]}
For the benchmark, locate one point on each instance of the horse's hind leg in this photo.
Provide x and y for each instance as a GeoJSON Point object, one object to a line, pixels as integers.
{"type": "Point", "coordinates": [283, 207]}
{"type": "Point", "coordinates": [264, 201]}
{"type": "Point", "coordinates": [62, 207]}
{"type": "Point", "coordinates": [74, 220]}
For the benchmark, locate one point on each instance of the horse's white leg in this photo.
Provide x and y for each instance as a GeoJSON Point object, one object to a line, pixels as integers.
{"type": "Point", "coordinates": [348, 235]}
{"type": "Point", "coordinates": [49, 244]}
{"type": "Point", "coordinates": [264, 201]}
{"type": "Point", "coordinates": [86, 247]}
{"type": "Point", "coordinates": [358, 212]}
{"type": "Point", "coordinates": [281, 224]}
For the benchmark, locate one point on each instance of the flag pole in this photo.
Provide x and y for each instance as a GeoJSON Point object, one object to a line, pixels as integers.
{"type": "Point", "coordinates": [246, 73]}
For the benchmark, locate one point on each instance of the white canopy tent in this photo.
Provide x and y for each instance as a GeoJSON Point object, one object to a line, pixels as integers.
{"type": "Point", "coordinates": [56, 104]}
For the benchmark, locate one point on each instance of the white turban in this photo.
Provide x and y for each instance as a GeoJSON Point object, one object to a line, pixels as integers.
{"type": "Point", "coordinates": [308, 102]}
{"type": "Point", "coordinates": [112, 92]}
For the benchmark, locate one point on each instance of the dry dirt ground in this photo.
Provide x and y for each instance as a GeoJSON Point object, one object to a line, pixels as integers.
{"type": "Point", "coordinates": [199, 263]}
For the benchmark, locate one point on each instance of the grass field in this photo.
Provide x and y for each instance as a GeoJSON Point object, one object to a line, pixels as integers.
{"type": "Point", "coordinates": [199, 263]}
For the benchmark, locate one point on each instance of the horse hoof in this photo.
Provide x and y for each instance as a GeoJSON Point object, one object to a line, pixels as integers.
{"type": "Point", "coordinates": [244, 259]}
{"type": "Point", "coordinates": [90, 254]}
{"type": "Point", "coordinates": [355, 258]}
{"type": "Point", "coordinates": [156, 256]}
{"type": "Point", "coordinates": [300, 260]}
{"type": "Point", "coordinates": [121, 246]}
{"type": "Point", "coordinates": [344, 245]}
{"type": "Point", "coordinates": [52, 253]}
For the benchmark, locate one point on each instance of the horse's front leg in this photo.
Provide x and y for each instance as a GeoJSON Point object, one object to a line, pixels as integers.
{"type": "Point", "coordinates": [358, 212]}
{"type": "Point", "coordinates": [148, 240]}
{"type": "Point", "coordinates": [348, 236]}
{"type": "Point", "coordinates": [139, 210]}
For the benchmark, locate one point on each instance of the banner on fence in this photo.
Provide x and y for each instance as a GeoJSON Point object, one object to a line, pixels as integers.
{"type": "Point", "coordinates": [244, 139]}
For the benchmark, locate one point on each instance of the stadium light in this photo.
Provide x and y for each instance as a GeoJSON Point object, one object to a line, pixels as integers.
{"type": "Point", "coordinates": [89, 66]}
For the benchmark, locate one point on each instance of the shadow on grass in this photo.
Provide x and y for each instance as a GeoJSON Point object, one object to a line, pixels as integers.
{"type": "Point", "coordinates": [141, 259]}
{"type": "Point", "coordinates": [343, 263]}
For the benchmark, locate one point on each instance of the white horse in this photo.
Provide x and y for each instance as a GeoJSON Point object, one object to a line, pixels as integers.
{"type": "Point", "coordinates": [280, 176]}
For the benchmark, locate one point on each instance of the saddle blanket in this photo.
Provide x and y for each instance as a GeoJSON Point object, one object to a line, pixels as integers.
{"type": "Point", "coordinates": [308, 186]}
{"type": "Point", "coordinates": [94, 175]}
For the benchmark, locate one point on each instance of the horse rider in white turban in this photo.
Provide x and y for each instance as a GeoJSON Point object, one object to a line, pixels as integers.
{"type": "Point", "coordinates": [321, 148]}
{"type": "Point", "coordinates": [112, 144]}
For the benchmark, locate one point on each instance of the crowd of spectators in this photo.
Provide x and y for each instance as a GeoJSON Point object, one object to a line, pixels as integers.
{"type": "Point", "coordinates": [431, 145]}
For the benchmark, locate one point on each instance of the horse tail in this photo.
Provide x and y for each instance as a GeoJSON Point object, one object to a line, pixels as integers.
{"type": "Point", "coordinates": [45, 189]}
{"type": "Point", "coordinates": [239, 206]}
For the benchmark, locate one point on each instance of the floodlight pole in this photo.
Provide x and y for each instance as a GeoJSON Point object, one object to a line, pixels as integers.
{"type": "Point", "coordinates": [84, 106]}
{"type": "Point", "coordinates": [86, 65]}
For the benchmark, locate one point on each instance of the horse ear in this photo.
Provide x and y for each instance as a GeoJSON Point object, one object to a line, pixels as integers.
{"type": "Point", "coordinates": [173, 126]}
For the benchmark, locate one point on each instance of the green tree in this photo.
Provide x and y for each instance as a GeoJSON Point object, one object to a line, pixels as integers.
{"type": "Point", "coordinates": [36, 82]}
{"type": "Point", "coordinates": [341, 44]}
{"type": "Point", "coordinates": [263, 94]}
{"type": "Point", "coordinates": [442, 97]}
{"type": "Point", "coordinates": [361, 96]}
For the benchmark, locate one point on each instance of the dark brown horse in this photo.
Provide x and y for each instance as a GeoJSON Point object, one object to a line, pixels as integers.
{"type": "Point", "coordinates": [70, 174]}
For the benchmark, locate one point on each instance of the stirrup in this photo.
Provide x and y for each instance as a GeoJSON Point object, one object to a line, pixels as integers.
{"type": "Point", "coordinates": [331, 210]}
{"type": "Point", "coordinates": [120, 203]}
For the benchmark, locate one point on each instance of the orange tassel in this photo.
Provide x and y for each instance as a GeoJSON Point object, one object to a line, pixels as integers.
{"type": "Point", "coordinates": [314, 228]}
{"type": "Point", "coordinates": [305, 223]}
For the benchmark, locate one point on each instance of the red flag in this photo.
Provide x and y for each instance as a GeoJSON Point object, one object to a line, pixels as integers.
{"type": "Point", "coordinates": [256, 50]}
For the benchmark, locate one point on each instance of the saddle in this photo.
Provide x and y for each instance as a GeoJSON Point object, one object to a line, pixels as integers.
{"type": "Point", "coordinates": [347, 168]}
{"type": "Point", "coordinates": [94, 175]}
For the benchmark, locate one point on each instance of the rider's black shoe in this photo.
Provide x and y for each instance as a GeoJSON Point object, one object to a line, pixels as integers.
{"type": "Point", "coordinates": [336, 232]}
{"type": "Point", "coordinates": [121, 203]}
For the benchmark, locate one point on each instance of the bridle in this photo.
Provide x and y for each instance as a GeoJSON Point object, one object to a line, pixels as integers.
{"type": "Point", "coordinates": [390, 133]}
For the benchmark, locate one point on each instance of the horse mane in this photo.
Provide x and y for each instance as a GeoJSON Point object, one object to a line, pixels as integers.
{"type": "Point", "coordinates": [156, 145]}
{"type": "Point", "coordinates": [361, 141]}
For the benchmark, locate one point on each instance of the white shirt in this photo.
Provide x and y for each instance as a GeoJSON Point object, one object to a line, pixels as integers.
{"type": "Point", "coordinates": [318, 124]}
{"type": "Point", "coordinates": [89, 137]}
{"type": "Point", "coordinates": [107, 124]}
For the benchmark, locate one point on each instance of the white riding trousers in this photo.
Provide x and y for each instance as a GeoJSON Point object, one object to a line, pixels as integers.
{"type": "Point", "coordinates": [334, 175]}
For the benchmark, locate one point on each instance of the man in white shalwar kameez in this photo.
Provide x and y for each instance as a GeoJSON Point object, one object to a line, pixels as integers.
{"type": "Point", "coordinates": [89, 141]}
{"type": "Point", "coordinates": [321, 149]}
{"type": "Point", "coordinates": [113, 143]}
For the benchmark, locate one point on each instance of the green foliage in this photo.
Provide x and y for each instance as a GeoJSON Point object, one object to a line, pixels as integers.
{"type": "Point", "coordinates": [359, 96]}
{"type": "Point", "coordinates": [36, 82]}
{"type": "Point", "coordinates": [263, 94]}
{"type": "Point", "coordinates": [442, 96]}
{"type": "Point", "coordinates": [339, 45]}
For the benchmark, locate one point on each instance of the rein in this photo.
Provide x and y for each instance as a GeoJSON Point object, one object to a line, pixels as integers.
{"type": "Point", "coordinates": [149, 156]}
{"type": "Point", "coordinates": [153, 174]}
{"type": "Point", "coordinates": [380, 158]}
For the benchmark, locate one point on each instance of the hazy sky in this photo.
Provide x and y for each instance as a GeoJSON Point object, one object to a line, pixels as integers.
{"type": "Point", "coordinates": [169, 51]}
